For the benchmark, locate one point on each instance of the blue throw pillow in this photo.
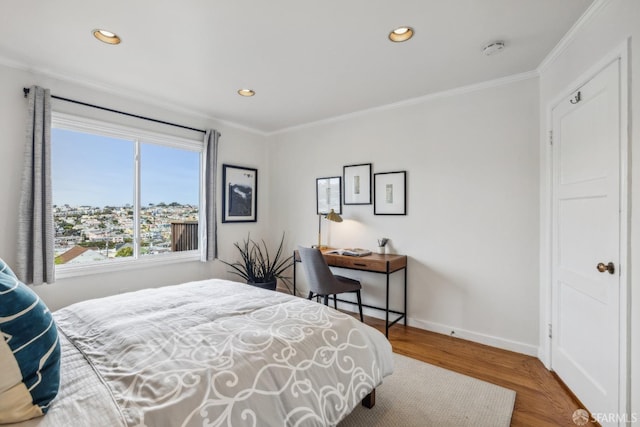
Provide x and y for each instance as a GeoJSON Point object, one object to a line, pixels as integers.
{"type": "Point", "coordinates": [29, 351]}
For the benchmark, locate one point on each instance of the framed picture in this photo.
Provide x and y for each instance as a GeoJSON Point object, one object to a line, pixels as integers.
{"type": "Point", "coordinates": [329, 194]}
{"type": "Point", "coordinates": [390, 194]}
{"type": "Point", "coordinates": [357, 184]}
{"type": "Point", "coordinates": [239, 194]}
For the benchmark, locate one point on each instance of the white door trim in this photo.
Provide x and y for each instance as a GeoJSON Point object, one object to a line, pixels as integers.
{"type": "Point", "coordinates": [621, 53]}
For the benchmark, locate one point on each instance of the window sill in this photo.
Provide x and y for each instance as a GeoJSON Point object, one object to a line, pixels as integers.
{"type": "Point", "coordinates": [65, 271]}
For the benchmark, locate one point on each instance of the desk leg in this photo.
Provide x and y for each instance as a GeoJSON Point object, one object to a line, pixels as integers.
{"type": "Point", "coordinates": [405, 296]}
{"type": "Point", "coordinates": [386, 323]}
{"type": "Point", "coordinates": [294, 278]}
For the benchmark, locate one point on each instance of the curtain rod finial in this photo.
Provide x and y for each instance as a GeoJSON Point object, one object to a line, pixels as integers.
{"type": "Point", "coordinates": [26, 91]}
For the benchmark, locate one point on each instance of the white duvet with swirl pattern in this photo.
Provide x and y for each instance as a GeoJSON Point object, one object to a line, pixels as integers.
{"type": "Point", "coordinates": [220, 353]}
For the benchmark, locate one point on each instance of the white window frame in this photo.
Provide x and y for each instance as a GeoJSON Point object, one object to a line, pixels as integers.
{"type": "Point", "coordinates": [137, 136]}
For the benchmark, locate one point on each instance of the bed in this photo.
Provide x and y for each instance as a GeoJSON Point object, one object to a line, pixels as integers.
{"type": "Point", "coordinates": [211, 353]}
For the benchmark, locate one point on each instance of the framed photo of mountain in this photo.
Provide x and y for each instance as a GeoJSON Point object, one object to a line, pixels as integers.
{"type": "Point", "coordinates": [239, 194]}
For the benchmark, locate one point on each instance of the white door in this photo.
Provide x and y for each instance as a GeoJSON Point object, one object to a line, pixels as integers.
{"type": "Point", "coordinates": [586, 336]}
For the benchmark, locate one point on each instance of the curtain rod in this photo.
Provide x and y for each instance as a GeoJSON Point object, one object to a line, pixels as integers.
{"type": "Point", "coordinates": [26, 91]}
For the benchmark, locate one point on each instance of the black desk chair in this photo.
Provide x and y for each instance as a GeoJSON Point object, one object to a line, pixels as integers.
{"type": "Point", "coordinates": [322, 282]}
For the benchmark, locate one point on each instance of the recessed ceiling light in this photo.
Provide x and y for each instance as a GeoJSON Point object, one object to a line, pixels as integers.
{"type": "Point", "coordinates": [492, 48]}
{"type": "Point", "coordinates": [401, 34]}
{"type": "Point", "coordinates": [106, 36]}
{"type": "Point", "coordinates": [246, 92]}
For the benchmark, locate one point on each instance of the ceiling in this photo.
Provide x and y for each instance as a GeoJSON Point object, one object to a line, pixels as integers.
{"type": "Point", "coordinates": [306, 60]}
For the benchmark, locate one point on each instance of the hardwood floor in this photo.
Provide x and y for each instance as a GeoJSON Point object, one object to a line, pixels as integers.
{"type": "Point", "coordinates": [541, 400]}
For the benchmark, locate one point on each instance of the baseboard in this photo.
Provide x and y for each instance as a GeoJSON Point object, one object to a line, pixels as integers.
{"type": "Point", "coordinates": [490, 340]}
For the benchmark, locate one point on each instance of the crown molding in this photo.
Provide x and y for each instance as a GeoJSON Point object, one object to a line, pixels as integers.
{"type": "Point", "coordinates": [126, 94]}
{"type": "Point", "coordinates": [596, 7]}
{"type": "Point", "coordinates": [414, 101]}
{"type": "Point", "coordinates": [10, 63]}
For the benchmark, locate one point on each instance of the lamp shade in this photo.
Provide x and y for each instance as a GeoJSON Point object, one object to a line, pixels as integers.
{"type": "Point", "coordinates": [333, 216]}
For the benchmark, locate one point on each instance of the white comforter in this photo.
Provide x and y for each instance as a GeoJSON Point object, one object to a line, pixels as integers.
{"type": "Point", "coordinates": [212, 353]}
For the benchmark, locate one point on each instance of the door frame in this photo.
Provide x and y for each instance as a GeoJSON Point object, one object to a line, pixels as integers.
{"type": "Point", "coordinates": [621, 53]}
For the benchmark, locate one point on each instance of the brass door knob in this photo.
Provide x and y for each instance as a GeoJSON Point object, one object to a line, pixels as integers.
{"type": "Point", "coordinates": [602, 267]}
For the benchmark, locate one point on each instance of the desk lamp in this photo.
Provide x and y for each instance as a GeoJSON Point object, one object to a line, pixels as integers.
{"type": "Point", "coordinates": [331, 216]}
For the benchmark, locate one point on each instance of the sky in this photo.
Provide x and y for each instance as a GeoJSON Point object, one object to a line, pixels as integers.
{"type": "Point", "coordinates": [99, 171]}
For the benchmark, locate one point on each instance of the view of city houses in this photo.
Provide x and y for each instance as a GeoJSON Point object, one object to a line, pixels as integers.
{"type": "Point", "coordinates": [93, 192]}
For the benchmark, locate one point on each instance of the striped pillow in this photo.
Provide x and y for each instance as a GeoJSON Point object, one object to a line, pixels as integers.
{"type": "Point", "coordinates": [29, 351]}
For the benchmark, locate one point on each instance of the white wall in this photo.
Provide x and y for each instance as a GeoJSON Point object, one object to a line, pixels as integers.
{"type": "Point", "coordinates": [601, 34]}
{"type": "Point", "coordinates": [476, 176]}
{"type": "Point", "coordinates": [237, 146]}
{"type": "Point", "coordinates": [471, 232]}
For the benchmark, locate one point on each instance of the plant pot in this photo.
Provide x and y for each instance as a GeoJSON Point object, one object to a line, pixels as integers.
{"type": "Point", "coordinates": [266, 285]}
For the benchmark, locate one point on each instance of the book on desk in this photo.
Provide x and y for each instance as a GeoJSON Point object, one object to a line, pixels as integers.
{"type": "Point", "coordinates": [350, 252]}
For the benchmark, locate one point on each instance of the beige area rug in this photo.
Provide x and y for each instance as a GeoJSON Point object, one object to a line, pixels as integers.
{"type": "Point", "coordinates": [420, 394]}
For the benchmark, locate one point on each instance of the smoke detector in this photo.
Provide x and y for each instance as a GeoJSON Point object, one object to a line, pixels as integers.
{"type": "Point", "coordinates": [493, 48]}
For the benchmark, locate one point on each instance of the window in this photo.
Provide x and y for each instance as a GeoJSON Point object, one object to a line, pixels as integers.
{"type": "Point", "coordinates": [122, 195]}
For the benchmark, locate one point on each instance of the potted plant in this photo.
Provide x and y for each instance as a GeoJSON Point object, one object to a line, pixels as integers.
{"type": "Point", "coordinates": [257, 267]}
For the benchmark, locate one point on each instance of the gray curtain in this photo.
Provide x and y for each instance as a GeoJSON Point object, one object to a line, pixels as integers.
{"type": "Point", "coordinates": [210, 173]}
{"type": "Point", "coordinates": [35, 263]}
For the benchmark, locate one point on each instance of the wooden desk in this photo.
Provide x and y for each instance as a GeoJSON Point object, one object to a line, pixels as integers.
{"type": "Point", "coordinates": [374, 263]}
